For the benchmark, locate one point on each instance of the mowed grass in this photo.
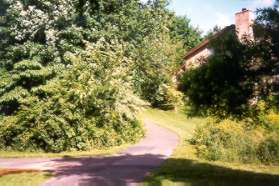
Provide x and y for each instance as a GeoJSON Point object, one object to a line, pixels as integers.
{"type": "Point", "coordinates": [185, 168]}
{"type": "Point", "coordinates": [95, 152]}
{"type": "Point", "coordinates": [22, 177]}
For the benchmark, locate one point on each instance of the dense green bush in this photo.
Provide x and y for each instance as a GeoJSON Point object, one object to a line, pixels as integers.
{"type": "Point", "coordinates": [221, 85]}
{"type": "Point", "coordinates": [88, 105]}
{"type": "Point", "coordinates": [235, 141]}
{"type": "Point", "coordinates": [59, 90]}
{"type": "Point", "coordinates": [182, 30]}
{"type": "Point", "coordinates": [223, 141]}
{"type": "Point", "coordinates": [42, 32]}
{"type": "Point", "coordinates": [155, 61]}
{"type": "Point", "coordinates": [167, 98]}
{"type": "Point", "coordinates": [268, 150]}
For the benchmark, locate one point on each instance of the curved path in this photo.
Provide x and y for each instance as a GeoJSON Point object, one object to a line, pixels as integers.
{"type": "Point", "coordinates": [125, 168]}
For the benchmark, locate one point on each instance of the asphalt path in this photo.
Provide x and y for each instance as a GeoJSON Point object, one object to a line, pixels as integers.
{"type": "Point", "coordinates": [128, 167]}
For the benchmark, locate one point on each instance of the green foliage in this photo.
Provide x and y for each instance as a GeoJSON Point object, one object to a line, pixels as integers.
{"type": "Point", "coordinates": [221, 86]}
{"type": "Point", "coordinates": [89, 105]}
{"type": "Point", "coordinates": [268, 150]}
{"type": "Point", "coordinates": [223, 141]}
{"type": "Point", "coordinates": [267, 32]}
{"type": "Point", "coordinates": [232, 141]}
{"type": "Point", "coordinates": [238, 74]}
{"type": "Point", "coordinates": [155, 60]}
{"type": "Point", "coordinates": [239, 81]}
{"type": "Point", "coordinates": [167, 98]}
{"type": "Point", "coordinates": [72, 71]}
{"type": "Point", "coordinates": [181, 30]}
{"type": "Point", "coordinates": [212, 32]}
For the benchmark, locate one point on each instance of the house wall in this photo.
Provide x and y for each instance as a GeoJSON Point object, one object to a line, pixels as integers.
{"type": "Point", "coordinates": [197, 59]}
{"type": "Point", "coordinates": [193, 62]}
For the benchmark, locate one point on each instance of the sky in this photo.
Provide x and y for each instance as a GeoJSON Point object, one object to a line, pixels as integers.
{"type": "Point", "coordinates": [205, 14]}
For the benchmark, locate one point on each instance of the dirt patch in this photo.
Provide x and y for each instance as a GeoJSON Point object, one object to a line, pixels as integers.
{"type": "Point", "coordinates": [4, 172]}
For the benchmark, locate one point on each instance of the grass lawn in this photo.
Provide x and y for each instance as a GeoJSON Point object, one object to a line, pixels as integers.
{"type": "Point", "coordinates": [185, 168]}
{"type": "Point", "coordinates": [95, 152]}
{"type": "Point", "coordinates": [22, 178]}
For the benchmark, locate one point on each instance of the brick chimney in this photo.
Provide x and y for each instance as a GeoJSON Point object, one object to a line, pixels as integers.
{"type": "Point", "coordinates": [243, 24]}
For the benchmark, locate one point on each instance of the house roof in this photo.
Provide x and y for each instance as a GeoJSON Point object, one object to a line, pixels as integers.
{"type": "Point", "coordinates": [205, 43]}
{"type": "Point", "coordinates": [202, 46]}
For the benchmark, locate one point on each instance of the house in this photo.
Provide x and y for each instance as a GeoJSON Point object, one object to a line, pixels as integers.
{"type": "Point", "coordinates": [243, 28]}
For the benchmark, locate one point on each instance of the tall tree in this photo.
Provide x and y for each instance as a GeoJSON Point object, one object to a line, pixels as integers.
{"type": "Point", "coordinates": [72, 71]}
{"type": "Point", "coordinates": [267, 32]}
{"type": "Point", "coordinates": [182, 30]}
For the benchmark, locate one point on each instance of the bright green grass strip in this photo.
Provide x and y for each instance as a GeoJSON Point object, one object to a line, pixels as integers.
{"type": "Point", "coordinates": [185, 168]}
{"type": "Point", "coordinates": [174, 120]}
{"type": "Point", "coordinates": [95, 152]}
{"type": "Point", "coordinates": [24, 179]}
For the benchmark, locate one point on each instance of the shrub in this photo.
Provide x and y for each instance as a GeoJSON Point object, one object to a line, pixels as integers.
{"type": "Point", "coordinates": [225, 140]}
{"type": "Point", "coordinates": [272, 120]}
{"type": "Point", "coordinates": [232, 141]}
{"type": "Point", "coordinates": [167, 98]}
{"type": "Point", "coordinates": [268, 150]}
{"type": "Point", "coordinates": [220, 85]}
{"type": "Point", "coordinates": [59, 91]}
{"type": "Point", "coordinates": [155, 60]}
{"type": "Point", "coordinates": [88, 105]}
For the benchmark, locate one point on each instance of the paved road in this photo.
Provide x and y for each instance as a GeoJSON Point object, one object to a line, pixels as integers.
{"type": "Point", "coordinates": [126, 168]}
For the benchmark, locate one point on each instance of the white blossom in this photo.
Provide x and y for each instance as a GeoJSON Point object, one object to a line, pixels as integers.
{"type": "Point", "coordinates": [29, 20]}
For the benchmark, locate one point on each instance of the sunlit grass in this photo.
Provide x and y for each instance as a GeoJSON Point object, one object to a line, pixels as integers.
{"type": "Point", "coordinates": [95, 152]}
{"type": "Point", "coordinates": [185, 168]}
{"type": "Point", "coordinates": [25, 178]}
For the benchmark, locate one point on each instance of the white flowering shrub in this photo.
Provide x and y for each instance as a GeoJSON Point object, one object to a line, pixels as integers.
{"type": "Point", "coordinates": [41, 16]}
{"type": "Point", "coordinates": [89, 105]}
{"type": "Point", "coordinates": [71, 71]}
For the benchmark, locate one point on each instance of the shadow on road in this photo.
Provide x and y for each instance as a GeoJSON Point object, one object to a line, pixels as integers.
{"type": "Point", "coordinates": [116, 170]}
{"type": "Point", "coordinates": [194, 173]}
{"type": "Point", "coordinates": [127, 169]}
